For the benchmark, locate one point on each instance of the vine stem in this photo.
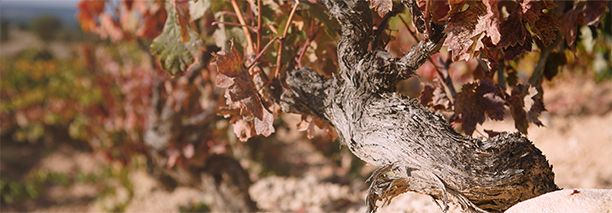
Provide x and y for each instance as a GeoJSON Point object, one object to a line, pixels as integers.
{"type": "Point", "coordinates": [281, 40]}
{"type": "Point", "coordinates": [448, 81]}
{"type": "Point", "coordinates": [245, 29]}
{"type": "Point", "coordinates": [259, 27]}
{"type": "Point", "coordinates": [229, 24]}
{"type": "Point", "coordinates": [305, 46]}
{"type": "Point", "coordinates": [538, 71]}
{"type": "Point", "coordinates": [260, 54]}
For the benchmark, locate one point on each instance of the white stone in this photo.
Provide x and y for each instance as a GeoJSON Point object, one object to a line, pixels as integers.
{"type": "Point", "coordinates": [568, 200]}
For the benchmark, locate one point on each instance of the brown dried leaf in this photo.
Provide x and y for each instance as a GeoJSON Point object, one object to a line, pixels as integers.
{"type": "Point", "coordinates": [264, 126]}
{"type": "Point", "coordinates": [439, 10]}
{"type": "Point", "coordinates": [515, 39]}
{"type": "Point", "coordinates": [229, 64]}
{"type": "Point", "coordinates": [243, 103]}
{"type": "Point", "coordinates": [467, 25]}
{"type": "Point", "coordinates": [244, 130]}
{"type": "Point", "coordinates": [516, 102]}
{"type": "Point", "coordinates": [382, 7]}
{"type": "Point", "coordinates": [542, 19]}
{"type": "Point", "coordinates": [474, 101]}
{"type": "Point", "coordinates": [426, 96]}
{"type": "Point", "coordinates": [537, 107]}
{"type": "Point", "coordinates": [583, 13]}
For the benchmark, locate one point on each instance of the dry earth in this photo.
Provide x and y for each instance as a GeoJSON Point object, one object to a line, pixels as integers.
{"type": "Point", "coordinates": [577, 141]}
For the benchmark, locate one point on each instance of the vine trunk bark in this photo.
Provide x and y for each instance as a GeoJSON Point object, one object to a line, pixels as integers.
{"type": "Point", "coordinates": [415, 149]}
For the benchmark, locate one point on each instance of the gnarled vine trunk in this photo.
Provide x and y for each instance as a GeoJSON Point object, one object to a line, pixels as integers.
{"type": "Point", "coordinates": [415, 149]}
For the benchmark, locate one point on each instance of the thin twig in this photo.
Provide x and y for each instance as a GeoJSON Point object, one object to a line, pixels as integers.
{"type": "Point", "coordinates": [305, 47]}
{"type": "Point", "coordinates": [501, 80]}
{"type": "Point", "coordinates": [448, 81]}
{"type": "Point", "coordinates": [245, 29]}
{"type": "Point", "coordinates": [256, 60]}
{"type": "Point", "coordinates": [414, 36]}
{"type": "Point", "coordinates": [281, 40]}
{"type": "Point", "coordinates": [259, 27]}
{"type": "Point", "coordinates": [225, 13]}
{"type": "Point", "coordinates": [383, 25]}
{"type": "Point", "coordinates": [538, 71]}
{"type": "Point", "coordinates": [232, 24]}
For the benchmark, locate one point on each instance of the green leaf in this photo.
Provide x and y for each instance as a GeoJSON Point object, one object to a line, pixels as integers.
{"type": "Point", "coordinates": [173, 55]}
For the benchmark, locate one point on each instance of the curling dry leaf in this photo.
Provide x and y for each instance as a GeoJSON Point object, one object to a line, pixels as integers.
{"type": "Point", "coordinates": [542, 19]}
{"type": "Point", "coordinates": [583, 13]}
{"type": "Point", "coordinates": [310, 123]}
{"type": "Point", "coordinates": [243, 104]}
{"type": "Point", "coordinates": [466, 26]}
{"type": "Point", "coordinates": [439, 11]}
{"type": "Point", "coordinates": [382, 7]}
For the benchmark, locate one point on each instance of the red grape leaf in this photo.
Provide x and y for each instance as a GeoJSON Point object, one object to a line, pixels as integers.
{"type": "Point", "coordinates": [526, 105]}
{"type": "Point", "coordinates": [583, 13]}
{"type": "Point", "coordinates": [516, 102]}
{"type": "Point", "coordinates": [542, 19]}
{"type": "Point", "coordinates": [426, 96]}
{"type": "Point", "coordinates": [474, 101]}
{"type": "Point", "coordinates": [153, 19]}
{"type": "Point", "coordinates": [88, 12]}
{"type": "Point", "coordinates": [465, 29]}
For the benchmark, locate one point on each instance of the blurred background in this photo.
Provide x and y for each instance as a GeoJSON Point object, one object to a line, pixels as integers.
{"type": "Point", "coordinates": [90, 123]}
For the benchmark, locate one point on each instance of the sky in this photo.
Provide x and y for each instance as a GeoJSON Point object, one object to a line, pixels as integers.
{"type": "Point", "coordinates": [41, 3]}
{"type": "Point", "coordinates": [23, 11]}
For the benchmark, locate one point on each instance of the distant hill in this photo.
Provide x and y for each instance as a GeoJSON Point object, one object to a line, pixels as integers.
{"type": "Point", "coordinates": [23, 11]}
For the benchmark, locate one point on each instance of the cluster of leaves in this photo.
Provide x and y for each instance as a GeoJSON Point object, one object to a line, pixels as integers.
{"type": "Point", "coordinates": [50, 101]}
{"type": "Point", "coordinates": [249, 72]}
{"type": "Point", "coordinates": [44, 92]}
{"type": "Point", "coordinates": [493, 36]}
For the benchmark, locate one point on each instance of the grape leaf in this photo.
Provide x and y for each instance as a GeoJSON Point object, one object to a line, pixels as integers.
{"type": "Point", "coordinates": [88, 11]}
{"type": "Point", "coordinates": [152, 23]}
{"type": "Point", "coordinates": [542, 19]}
{"type": "Point", "coordinates": [465, 29]}
{"type": "Point", "coordinates": [583, 13]}
{"type": "Point", "coordinates": [250, 117]}
{"type": "Point", "coordinates": [526, 104]}
{"type": "Point", "coordinates": [174, 55]}
{"type": "Point", "coordinates": [433, 96]}
{"type": "Point", "coordinates": [474, 101]}
{"type": "Point", "coordinates": [382, 7]}
{"type": "Point", "coordinates": [310, 123]}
